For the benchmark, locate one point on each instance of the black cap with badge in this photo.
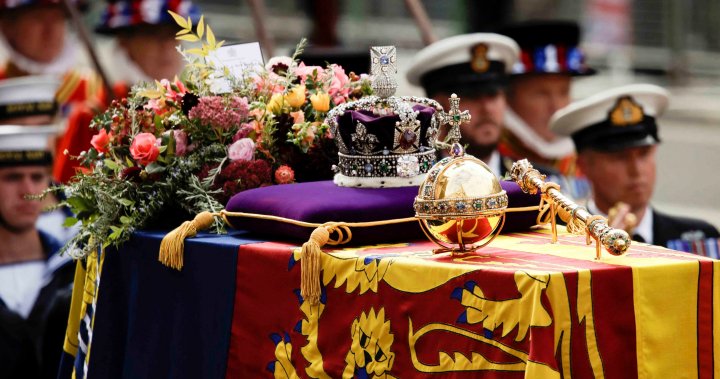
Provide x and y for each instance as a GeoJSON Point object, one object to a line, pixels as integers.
{"type": "Point", "coordinates": [615, 119]}
{"type": "Point", "coordinates": [468, 65]}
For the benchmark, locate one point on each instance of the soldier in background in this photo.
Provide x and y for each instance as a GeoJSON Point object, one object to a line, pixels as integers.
{"type": "Point", "coordinates": [475, 67]}
{"type": "Point", "coordinates": [35, 37]}
{"type": "Point", "coordinates": [143, 50]}
{"type": "Point", "coordinates": [30, 101]}
{"type": "Point", "coordinates": [616, 137]}
{"type": "Point", "coordinates": [33, 276]}
{"type": "Point", "coordinates": [539, 86]}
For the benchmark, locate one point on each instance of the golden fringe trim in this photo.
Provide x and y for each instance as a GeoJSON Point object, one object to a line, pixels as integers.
{"type": "Point", "coordinates": [173, 244]}
{"type": "Point", "coordinates": [310, 265]}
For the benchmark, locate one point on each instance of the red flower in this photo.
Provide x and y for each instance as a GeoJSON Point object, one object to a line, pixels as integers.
{"type": "Point", "coordinates": [144, 148]}
{"type": "Point", "coordinates": [242, 175]}
{"type": "Point", "coordinates": [284, 175]}
{"type": "Point", "coordinates": [101, 141]}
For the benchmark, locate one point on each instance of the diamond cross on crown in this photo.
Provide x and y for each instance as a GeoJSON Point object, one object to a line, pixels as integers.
{"type": "Point", "coordinates": [383, 69]}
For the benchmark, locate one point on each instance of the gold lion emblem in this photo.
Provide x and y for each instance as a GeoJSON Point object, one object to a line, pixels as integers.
{"type": "Point", "coordinates": [371, 343]}
{"type": "Point", "coordinates": [626, 112]}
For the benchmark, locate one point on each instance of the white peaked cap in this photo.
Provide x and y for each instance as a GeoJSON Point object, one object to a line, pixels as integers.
{"type": "Point", "coordinates": [458, 49]}
{"type": "Point", "coordinates": [28, 89]}
{"type": "Point", "coordinates": [580, 114]}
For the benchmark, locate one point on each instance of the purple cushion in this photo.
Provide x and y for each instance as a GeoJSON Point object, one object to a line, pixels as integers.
{"type": "Point", "coordinates": [320, 202]}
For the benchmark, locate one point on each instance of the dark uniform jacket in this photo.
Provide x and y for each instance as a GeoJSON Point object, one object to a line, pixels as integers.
{"type": "Point", "coordinates": [31, 348]}
{"type": "Point", "coordinates": [666, 228]}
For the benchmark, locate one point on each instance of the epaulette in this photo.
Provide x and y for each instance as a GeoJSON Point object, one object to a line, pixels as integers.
{"type": "Point", "coordinates": [80, 87]}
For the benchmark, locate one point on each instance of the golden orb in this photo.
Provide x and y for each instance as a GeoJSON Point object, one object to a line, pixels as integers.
{"type": "Point", "coordinates": [460, 205]}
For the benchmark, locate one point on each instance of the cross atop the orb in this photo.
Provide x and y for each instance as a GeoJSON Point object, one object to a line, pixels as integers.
{"type": "Point", "coordinates": [454, 118]}
{"type": "Point", "coordinates": [383, 70]}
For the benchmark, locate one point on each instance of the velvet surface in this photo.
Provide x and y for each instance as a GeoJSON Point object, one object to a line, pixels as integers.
{"type": "Point", "coordinates": [319, 202]}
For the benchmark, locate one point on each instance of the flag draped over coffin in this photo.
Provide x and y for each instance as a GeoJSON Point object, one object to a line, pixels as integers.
{"type": "Point", "coordinates": [522, 308]}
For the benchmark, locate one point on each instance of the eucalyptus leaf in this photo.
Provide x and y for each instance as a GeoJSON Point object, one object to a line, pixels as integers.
{"type": "Point", "coordinates": [70, 221]}
{"type": "Point", "coordinates": [127, 202]}
{"type": "Point", "coordinates": [154, 168]}
{"type": "Point", "coordinates": [109, 163]}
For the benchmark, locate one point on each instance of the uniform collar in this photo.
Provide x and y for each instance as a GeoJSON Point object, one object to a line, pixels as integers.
{"type": "Point", "coordinates": [557, 149]}
{"type": "Point", "coordinates": [51, 248]}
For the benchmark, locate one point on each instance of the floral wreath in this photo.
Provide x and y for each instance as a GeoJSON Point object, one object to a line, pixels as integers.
{"type": "Point", "coordinates": [178, 146]}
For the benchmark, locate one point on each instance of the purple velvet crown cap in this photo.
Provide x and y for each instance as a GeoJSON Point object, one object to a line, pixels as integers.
{"type": "Point", "coordinates": [382, 127]}
{"type": "Point", "coordinates": [377, 148]}
{"type": "Point", "coordinates": [320, 202]}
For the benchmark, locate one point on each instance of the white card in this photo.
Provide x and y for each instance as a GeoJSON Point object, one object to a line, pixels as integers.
{"type": "Point", "coordinates": [240, 60]}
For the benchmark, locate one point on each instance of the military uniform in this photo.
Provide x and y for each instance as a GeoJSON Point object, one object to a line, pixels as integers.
{"type": "Point", "coordinates": [78, 87]}
{"type": "Point", "coordinates": [471, 66]}
{"type": "Point", "coordinates": [22, 101]}
{"type": "Point", "coordinates": [30, 344]}
{"type": "Point", "coordinates": [615, 121]}
{"type": "Point", "coordinates": [546, 48]}
{"type": "Point", "coordinates": [118, 16]}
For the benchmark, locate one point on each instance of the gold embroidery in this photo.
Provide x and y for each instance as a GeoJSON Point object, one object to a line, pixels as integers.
{"type": "Point", "coordinates": [626, 112]}
{"type": "Point", "coordinates": [480, 62]}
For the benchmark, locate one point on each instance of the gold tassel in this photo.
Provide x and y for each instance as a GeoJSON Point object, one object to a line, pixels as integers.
{"type": "Point", "coordinates": [310, 265]}
{"type": "Point", "coordinates": [173, 244]}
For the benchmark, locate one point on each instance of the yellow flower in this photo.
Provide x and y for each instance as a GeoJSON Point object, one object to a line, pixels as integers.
{"type": "Point", "coordinates": [320, 101]}
{"type": "Point", "coordinates": [276, 103]}
{"type": "Point", "coordinates": [296, 97]}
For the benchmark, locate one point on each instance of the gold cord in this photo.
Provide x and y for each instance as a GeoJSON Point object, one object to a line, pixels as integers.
{"type": "Point", "coordinates": [173, 244]}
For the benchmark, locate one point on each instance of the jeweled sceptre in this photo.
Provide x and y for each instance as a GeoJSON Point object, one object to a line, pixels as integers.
{"type": "Point", "coordinates": [615, 241]}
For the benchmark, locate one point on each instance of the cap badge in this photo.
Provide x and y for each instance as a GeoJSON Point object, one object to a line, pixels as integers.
{"type": "Point", "coordinates": [626, 112]}
{"type": "Point", "coordinates": [480, 62]}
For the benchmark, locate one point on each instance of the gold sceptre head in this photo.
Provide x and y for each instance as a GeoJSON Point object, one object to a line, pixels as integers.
{"type": "Point", "coordinates": [530, 180]}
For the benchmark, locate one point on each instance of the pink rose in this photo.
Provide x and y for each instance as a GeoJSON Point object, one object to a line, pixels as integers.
{"type": "Point", "coordinates": [339, 88]}
{"type": "Point", "coordinates": [180, 142]}
{"type": "Point", "coordinates": [284, 175]}
{"type": "Point", "coordinates": [269, 84]}
{"type": "Point", "coordinates": [101, 141]}
{"type": "Point", "coordinates": [242, 150]}
{"type": "Point", "coordinates": [144, 148]}
{"type": "Point", "coordinates": [338, 99]}
{"type": "Point", "coordinates": [303, 71]}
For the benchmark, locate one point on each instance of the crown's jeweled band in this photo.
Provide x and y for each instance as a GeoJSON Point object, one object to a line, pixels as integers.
{"type": "Point", "coordinates": [376, 166]}
{"type": "Point", "coordinates": [468, 207]}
